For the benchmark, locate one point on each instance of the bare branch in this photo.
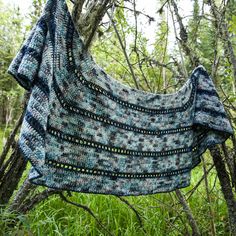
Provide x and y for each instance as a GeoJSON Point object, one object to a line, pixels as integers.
{"type": "Point", "coordinates": [213, 229]}
{"type": "Point", "coordinates": [136, 12]}
{"type": "Point", "coordinates": [225, 185]}
{"type": "Point", "coordinates": [135, 211]}
{"type": "Point", "coordinates": [125, 53]}
{"type": "Point", "coordinates": [86, 208]}
{"type": "Point", "coordinates": [187, 210]}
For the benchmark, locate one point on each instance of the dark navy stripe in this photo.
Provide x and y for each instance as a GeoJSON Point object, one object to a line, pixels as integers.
{"type": "Point", "coordinates": [210, 111]}
{"type": "Point", "coordinates": [42, 85]}
{"type": "Point", "coordinates": [112, 174]}
{"type": "Point", "coordinates": [113, 149]}
{"type": "Point", "coordinates": [32, 52]}
{"type": "Point", "coordinates": [23, 49]}
{"type": "Point", "coordinates": [23, 80]}
{"type": "Point", "coordinates": [43, 26]}
{"type": "Point", "coordinates": [203, 72]}
{"type": "Point", "coordinates": [29, 141]}
{"type": "Point", "coordinates": [208, 92]}
{"type": "Point", "coordinates": [35, 124]}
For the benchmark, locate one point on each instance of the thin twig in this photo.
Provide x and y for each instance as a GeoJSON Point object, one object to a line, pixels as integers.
{"type": "Point", "coordinates": [135, 211]}
{"type": "Point", "coordinates": [180, 51]}
{"type": "Point", "coordinates": [136, 12]}
{"type": "Point", "coordinates": [213, 229]}
{"type": "Point", "coordinates": [191, 192]}
{"type": "Point", "coordinates": [124, 51]}
{"type": "Point", "coordinates": [136, 50]}
{"type": "Point", "coordinates": [193, 223]}
{"type": "Point", "coordinates": [86, 208]}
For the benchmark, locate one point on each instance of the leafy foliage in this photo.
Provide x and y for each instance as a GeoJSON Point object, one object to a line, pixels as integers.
{"type": "Point", "coordinates": [11, 37]}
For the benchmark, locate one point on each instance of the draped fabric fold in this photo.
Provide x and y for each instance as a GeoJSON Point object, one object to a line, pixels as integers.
{"type": "Point", "coordinates": [85, 131]}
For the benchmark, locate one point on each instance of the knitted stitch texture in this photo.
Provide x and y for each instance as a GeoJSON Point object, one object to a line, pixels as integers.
{"type": "Point", "coordinates": [84, 131]}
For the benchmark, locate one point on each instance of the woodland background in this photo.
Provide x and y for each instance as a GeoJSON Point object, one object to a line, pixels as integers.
{"type": "Point", "coordinates": [205, 36]}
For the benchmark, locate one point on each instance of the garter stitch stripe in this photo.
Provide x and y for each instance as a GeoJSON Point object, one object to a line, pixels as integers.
{"type": "Point", "coordinates": [84, 131]}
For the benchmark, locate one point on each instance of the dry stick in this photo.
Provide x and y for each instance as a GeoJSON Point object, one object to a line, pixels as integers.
{"type": "Point", "coordinates": [231, 52]}
{"type": "Point", "coordinates": [213, 229]}
{"type": "Point", "coordinates": [15, 165]}
{"type": "Point", "coordinates": [124, 51]}
{"type": "Point", "coordinates": [157, 63]}
{"type": "Point", "coordinates": [227, 98]}
{"type": "Point", "coordinates": [135, 48]}
{"type": "Point", "coordinates": [179, 216]}
{"type": "Point", "coordinates": [180, 51]}
{"type": "Point", "coordinates": [172, 224]}
{"type": "Point", "coordinates": [195, 229]}
{"type": "Point", "coordinates": [230, 49]}
{"type": "Point", "coordinates": [86, 209]}
{"type": "Point", "coordinates": [136, 12]}
{"type": "Point", "coordinates": [216, 61]}
{"type": "Point", "coordinates": [163, 5]}
{"type": "Point", "coordinates": [114, 59]}
{"type": "Point", "coordinates": [21, 195]}
{"type": "Point", "coordinates": [225, 186]}
{"type": "Point", "coordinates": [215, 152]}
{"type": "Point", "coordinates": [230, 163]}
{"type": "Point", "coordinates": [12, 177]}
{"type": "Point", "coordinates": [135, 211]}
{"type": "Point", "coordinates": [183, 38]}
{"type": "Point", "coordinates": [10, 139]}
{"type": "Point", "coordinates": [88, 23]}
{"type": "Point", "coordinates": [164, 55]}
{"type": "Point", "coordinates": [195, 34]}
{"type": "Point", "coordinates": [172, 207]}
{"type": "Point", "coordinates": [6, 165]}
{"type": "Point", "coordinates": [214, 184]}
{"type": "Point", "coordinates": [31, 203]}
{"type": "Point", "coordinates": [234, 153]}
{"type": "Point", "coordinates": [4, 170]}
{"type": "Point", "coordinates": [191, 192]}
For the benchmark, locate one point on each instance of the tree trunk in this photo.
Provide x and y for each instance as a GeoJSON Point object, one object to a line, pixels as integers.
{"type": "Point", "coordinates": [225, 186]}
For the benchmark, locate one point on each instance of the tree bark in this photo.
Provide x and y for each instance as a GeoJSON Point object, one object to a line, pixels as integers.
{"type": "Point", "coordinates": [12, 177]}
{"type": "Point", "coordinates": [187, 210]}
{"type": "Point", "coordinates": [225, 186]}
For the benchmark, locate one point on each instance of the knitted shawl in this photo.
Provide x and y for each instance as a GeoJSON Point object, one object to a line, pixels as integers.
{"type": "Point", "coordinates": [85, 131]}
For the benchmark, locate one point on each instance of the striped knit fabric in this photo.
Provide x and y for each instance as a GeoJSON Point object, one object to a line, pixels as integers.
{"type": "Point", "coordinates": [84, 131]}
